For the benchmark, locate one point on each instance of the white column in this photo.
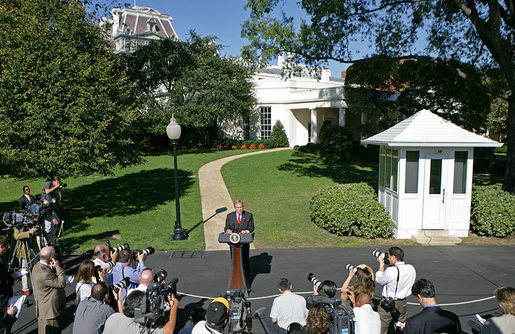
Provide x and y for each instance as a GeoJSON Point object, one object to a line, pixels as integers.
{"type": "Point", "coordinates": [314, 136]}
{"type": "Point", "coordinates": [341, 117]}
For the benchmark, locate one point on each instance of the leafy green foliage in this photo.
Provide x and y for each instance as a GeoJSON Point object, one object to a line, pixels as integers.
{"type": "Point", "coordinates": [493, 211]}
{"type": "Point", "coordinates": [190, 80]}
{"type": "Point", "coordinates": [65, 107]}
{"type": "Point", "coordinates": [351, 209]}
{"type": "Point", "coordinates": [335, 142]}
{"type": "Point", "coordinates": [278, 136]}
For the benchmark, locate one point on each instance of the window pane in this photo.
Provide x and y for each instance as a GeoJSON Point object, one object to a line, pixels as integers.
{"type": "Point", "coordinates": [460, 172]}
{"type": "Point", "coordinates": [395, 162]}
{"type": "Point", "coordinates": [412, 172]}
{"type": "Point", "coordinates": [435, 176]}
{"type": "Point", "coordinates": [388, 176]}
{"type": "Point", "coordinates": [266, 122]}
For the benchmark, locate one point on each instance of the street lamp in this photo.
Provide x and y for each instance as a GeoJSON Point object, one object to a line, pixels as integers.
{"type": "Point", "coordinates": [173, 131]}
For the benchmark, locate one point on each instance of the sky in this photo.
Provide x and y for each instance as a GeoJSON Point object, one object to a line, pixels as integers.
{"type": "Point", "coordinates": [221, 18]}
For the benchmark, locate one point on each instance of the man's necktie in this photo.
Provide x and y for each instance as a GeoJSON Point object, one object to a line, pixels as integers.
{"type": "Point", "coordinates": [239, 219]}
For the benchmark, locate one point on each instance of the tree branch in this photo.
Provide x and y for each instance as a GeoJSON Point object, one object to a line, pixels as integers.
{"type": "Point", "coordinates": [384, 6]}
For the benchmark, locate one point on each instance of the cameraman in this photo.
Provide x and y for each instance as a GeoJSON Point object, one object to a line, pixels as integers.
{"type": "Point", "coordinates": [397, 279]}
{"type": "Point", "coordinates": [101, 256]}
{"type": "Point", "coordinates": [52, 190]}
{"type": "Point", "coordinates": [124, 322]}
{"type": "Point", "coordinates": [145, 280]}
{"type": "Point", "coordinates": [216, 318]}
{"type": "Point", "coordinates": [50, 219]}
{"type": "Point", "coordinates": [26, 238]}
{"type": "Point", "coordinates": [123, 269]}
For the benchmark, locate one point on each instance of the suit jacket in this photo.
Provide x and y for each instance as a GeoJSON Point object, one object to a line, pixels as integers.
{"type": "Point", "coordinates": [23, 201]}
{"type": "Point", "coordinates": [433, 320]}
{"type": "Point", "coordinates": [48, 284]}
{"type": "Point", "coordinates": [6, 285]}
{"type": "Point", "coordinates": [247, 222]}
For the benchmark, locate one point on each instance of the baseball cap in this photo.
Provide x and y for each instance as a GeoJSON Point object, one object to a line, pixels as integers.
{"type": "Point", "coordinates": [216, 312]}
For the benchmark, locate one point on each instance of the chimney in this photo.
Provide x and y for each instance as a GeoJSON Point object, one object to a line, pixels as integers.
{"type": "Point", "coordinates": [326, 74]}
{"type": "Point", "coordinates": [280, 59]}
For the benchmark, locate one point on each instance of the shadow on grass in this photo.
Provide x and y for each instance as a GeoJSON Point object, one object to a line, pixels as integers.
{"type": "Point", "coordinates": [304, 164]}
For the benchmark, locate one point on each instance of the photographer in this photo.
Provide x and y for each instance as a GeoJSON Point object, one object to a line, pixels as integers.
{"type": "Point", "coordinates": [145, 280]}
{"type": "Point", "coordinates": [84, 280]}
{"type": "Point", "coordinates": [364, 282]}
{"type": "Point", "coordinates": [52, 190]}
{"type": "Point", "coordinates": [7, 312]}
{"type": "Point", "coordinates": [122, 269]}
{"type": "Point", "coordinates": [92, 313]}
{"type": "Point", "coordinates": [50, 219]}
{"type": "Point", "coordinates": [216, 318]}
{"type": "Point", "coordinates": [318, 319]}
{"type": "Point", "coordinates": [397, 279]}
{"type": "Point", "coordinates": [28, 242]}
{"type": "Point", "coordinates": [124, 323]}
{"type": "Point", "coordinates": [105, 259]}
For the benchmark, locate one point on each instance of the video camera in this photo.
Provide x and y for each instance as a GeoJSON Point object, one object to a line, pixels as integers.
{"type": "Point", "coordinates": [239, 311]}
{"type": "Point", "coordinates": [341, 315]}
{"type": "Point", "coordinates": [21, 219]}
{"type": "Point", "coordinates": [151, 308]}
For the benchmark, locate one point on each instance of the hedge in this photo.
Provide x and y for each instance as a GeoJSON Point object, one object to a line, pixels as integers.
{"type": "Point", "coordinates": [493, 211]}
{"type": "Point", "coordinates": [351, 210]}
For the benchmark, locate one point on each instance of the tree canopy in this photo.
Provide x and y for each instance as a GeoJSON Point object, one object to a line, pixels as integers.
{"type": "Point", "coordinates": [65, 107]}
{"type": "Point", "coordinates": [447, 33]}
{"type": "Point", "coordinates": [189, 79]}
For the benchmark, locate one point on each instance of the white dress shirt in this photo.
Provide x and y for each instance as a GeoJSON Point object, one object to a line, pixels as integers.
{"type": "Point", "coordinates": [367, 321]}
{"type": "Point", "coordinates": [388, 278]}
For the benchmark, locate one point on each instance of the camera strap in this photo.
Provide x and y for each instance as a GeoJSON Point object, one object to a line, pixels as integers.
{"type": "Point", "coordinates": [396, 284]}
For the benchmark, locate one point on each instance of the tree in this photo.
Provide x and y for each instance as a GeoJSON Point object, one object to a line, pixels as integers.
{"type": "Point", "coordinates": [65, 108]}
{"type": "Point", "coordinates": [190, 80]}
{"type": "Point", "coordinates": [443, 32]}
{"type": "Point", "coordinates": [278, 136]}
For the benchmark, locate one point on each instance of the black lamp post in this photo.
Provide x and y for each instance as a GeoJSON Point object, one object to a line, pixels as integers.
{"type": "Point", "coordinates": [173, 131]}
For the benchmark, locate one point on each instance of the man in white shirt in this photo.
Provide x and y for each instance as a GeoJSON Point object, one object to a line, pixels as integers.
{"type": "Point", "coordinates": [367, 320]}
{"type": "Point", "coordinates": [397, 280]}
{"type": "Point", "coordinates": [145, 280]}
{"type": "Point", "coordinates": [217, 314]}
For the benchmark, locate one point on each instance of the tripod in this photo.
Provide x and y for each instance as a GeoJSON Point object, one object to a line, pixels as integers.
{"type": "Point", "coordinates": [28, 254]}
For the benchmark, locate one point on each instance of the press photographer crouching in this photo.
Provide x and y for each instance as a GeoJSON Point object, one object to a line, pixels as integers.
{"type": "Point", "coordinates": [92, 313]}
{"type": "Point", "coordinates": [217, 314]}
{"type": "Point", "coordinates": [397, 279]}
{"type": "Point", "coordinates": [139, 313]}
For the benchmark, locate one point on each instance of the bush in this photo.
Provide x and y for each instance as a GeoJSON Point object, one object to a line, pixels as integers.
{"type": "Point", "coordinates": [243, 147]}
{"type": "Point", "coordinates": [351, 209]}
{"type": "Point", "coordinates": [312, 148]}
{"type": "Point", "coordinates": [335, 142]}
{"type": "Point", "coordinates": [278, 136]}
{"type": "Point", "coordinates": [261, 146]}
{"type": "Point", "coordinates": [493, 211]}
{"type": "Point", "coordinates": [252, 146]}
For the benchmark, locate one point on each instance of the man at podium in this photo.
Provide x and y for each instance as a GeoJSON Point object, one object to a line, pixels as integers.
{"type": "Point", "coordinates": [242, 222]}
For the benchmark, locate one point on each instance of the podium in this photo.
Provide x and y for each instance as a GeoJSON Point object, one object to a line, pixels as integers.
{"type": "Point", "coordinates": [237, 242]}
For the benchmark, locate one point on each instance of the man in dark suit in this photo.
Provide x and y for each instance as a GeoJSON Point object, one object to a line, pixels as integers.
{"type": "Point", "coordinates": [49, 281]}
{"type": "Point", "coordinates": [240, 221]}
{"type": "Point", "coordinates": [26, 199]}
{"type": "Point", "coordinates": [432, 319]}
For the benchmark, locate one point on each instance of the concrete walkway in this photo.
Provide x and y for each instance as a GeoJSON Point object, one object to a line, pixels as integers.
{"type": "Point", "coordinates": [216, 201]}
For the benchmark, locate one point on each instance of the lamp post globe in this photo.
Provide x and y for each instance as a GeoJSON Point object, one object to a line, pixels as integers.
{"type": "Point", "coordinates": [173, 131]}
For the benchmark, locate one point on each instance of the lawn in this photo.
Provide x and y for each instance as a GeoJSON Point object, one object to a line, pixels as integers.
{"type": "Point", "coordinates": [276, 188]}
{"type": "Point", "coordinates": [136, 204]}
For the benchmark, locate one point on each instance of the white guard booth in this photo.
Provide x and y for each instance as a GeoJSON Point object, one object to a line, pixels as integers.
{"type": "Point", "coordinates": [425, 174]}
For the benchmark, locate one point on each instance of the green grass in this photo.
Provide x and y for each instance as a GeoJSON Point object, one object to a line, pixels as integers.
{"type": "Point", "coordinates": [276, 188]}
{"type": "Point", "coordinates": [136, 204]}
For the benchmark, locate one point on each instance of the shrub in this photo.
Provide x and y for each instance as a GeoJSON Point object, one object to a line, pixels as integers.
{"type": "Point", "coordinates": [335, 142]}
{"type": "Point", "coordinates": [243, 147]}
{"type": "Point", "coordinates": [351, 209]}
{"type": "Point", "coordinates": [261, 146]}
{"type": "Point", "coordinates": [226, 147]}
{"type": "Point", "coordinates": [218, 147]}
{"type": "Point", "coordinates": [493, 211]}
{"type": "Point", "coordinates": [234, 147]}
{"type": "Point", "coordinates": [310, 148]}
{"type": "Point", "coordinates": [252, 146]}
{"type": "Point", "coordinates": [278, 135]}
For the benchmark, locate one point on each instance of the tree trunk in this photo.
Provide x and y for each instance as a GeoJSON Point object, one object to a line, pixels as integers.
{"type": "Point", "coordinates": [509, 173]}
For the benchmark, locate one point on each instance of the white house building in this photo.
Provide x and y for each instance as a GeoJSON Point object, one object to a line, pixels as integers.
{"type": "Point", "coordinates": [131, 27]}
{"type": "Point", "coordinates": [425, 174]}
{"type": "Point", "coordinates": [302, 102]}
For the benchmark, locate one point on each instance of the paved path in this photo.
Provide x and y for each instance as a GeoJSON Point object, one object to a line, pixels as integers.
{"type": "Point", "coordinates": [216, 201]}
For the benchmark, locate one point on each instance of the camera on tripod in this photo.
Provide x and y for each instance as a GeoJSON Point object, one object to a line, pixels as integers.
{"type": "Point", "coordinates": [239, 311]}
{"type": "Point", "coordinates": [22, 220]}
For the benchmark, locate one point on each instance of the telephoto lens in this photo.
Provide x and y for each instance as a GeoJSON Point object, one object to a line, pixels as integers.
{"type": "Point", "coordinates": [350, 267]}
{"type": "Point", "coordinates": [122, 247]}
{"type": "Point", "coordinates": [121, 285]}
{"type": "Point", "coordinates": [313, 279]}
{"type": "Point", "coordinates": [110, 263]}
{"type": "Point", "coordinates": [381, 255]}
{"type": "Point", "coordinates": [148, 251]}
